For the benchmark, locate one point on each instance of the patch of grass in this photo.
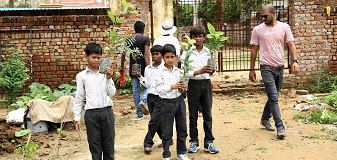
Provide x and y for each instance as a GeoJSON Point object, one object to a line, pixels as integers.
{"type": "Point", "coordinates": [254, 100]}
{"type": "Point", "coordinates": [125, 136]}
{"type": "Point", "coordinates": [238, 109]}
{"type": "Point", "coordinates": [314, 136]}
{"type": "Point", "coordinates": [297, 116]}
{"type": "Point", "coordinates": [262, 149]}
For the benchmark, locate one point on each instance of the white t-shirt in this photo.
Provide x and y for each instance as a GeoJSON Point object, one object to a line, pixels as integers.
{"type": "Point", "coordinates": [162, 40]}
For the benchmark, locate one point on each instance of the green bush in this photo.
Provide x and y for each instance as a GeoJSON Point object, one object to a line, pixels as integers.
{"type": "Point", "coordinates": [13, 74]}
{"type": "Point", "coordinates": [41, 91]}
{"type": "Point", "coordinates": [321, 81]}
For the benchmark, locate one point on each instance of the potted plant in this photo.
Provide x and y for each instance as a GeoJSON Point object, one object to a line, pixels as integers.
{"type": "Point", "coordinates": [215, 42]}
{"type": "Point", "coordinates": [185, 59]}
{"type": "Point", "coordinates": [116, 43]}
{"type": "Point", "coordinates": [135, 53]}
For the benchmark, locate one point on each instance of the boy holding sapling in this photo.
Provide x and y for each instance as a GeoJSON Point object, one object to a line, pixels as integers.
{"type": "Point", "coordinates": [200, 92]}
{"type": "Point", "coordinates": [169, 86]}
{"type": "Point", "coordinates": [99, 119]}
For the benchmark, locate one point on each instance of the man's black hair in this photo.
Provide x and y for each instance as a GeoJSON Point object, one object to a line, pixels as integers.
{"type": "Point", "coordinates": [139, 27]}
{"type": "Point", "coordinates": [156, 48]}
{"type": "Point", "coordinates": [198, 29]}
{"type": "Point", "coordinates": [168, 48]}
{"type": "Point", "coordinates": [93, 48]}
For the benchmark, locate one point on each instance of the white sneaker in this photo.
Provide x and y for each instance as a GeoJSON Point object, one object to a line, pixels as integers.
{"type": "Point", "coordinates": [182, 157]}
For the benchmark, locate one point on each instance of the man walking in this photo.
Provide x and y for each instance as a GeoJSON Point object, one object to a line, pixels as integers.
{"type": "Point", "coordinates": [270, 38]}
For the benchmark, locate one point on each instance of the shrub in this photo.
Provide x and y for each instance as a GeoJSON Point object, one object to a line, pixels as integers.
{"type": "Point", "coordinates": [13, 75]}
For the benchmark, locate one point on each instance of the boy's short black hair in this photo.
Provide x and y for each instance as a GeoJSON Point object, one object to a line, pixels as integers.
{"type": "Point", "coordinates": [183, 35]}
{"type": "Point", "coordinates": [139, 27]}
{"type": "Point", "coordinates": [93, 48]}
{"type": "Point", "coordinates": [168, 48]}
{"type": "Point", "coordinates": [156, 48]}
{"type": "Point", "coordinates": [198, 29]}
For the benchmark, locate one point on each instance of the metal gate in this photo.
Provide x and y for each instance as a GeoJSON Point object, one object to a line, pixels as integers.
{"type": "Point", "coordinates": [236, 18]}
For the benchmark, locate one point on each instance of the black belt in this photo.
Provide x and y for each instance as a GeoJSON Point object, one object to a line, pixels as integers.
{"type": "Point", "coordinates": [276, 68]}
{"type": "Point", "coordinates": [99, 109]}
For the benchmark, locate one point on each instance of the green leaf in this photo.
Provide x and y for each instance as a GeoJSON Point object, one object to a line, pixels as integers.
{"type": "Point", "coordinates": [22, 133]}
{"type": "Point", "coordinates": [111, 15]}
{"type": "Point", "coordinates": [210, 28]}
{"type": "Point", "coordinates": [125, 10]}
{"type": "Point", "coordinates": [119, 20]}
{"type": "Point", "coordinates": [133, 12]}
{"type": "Point", "coordinates": [123, 2]}
{"type": "Point", "coordinates": [129, 5]}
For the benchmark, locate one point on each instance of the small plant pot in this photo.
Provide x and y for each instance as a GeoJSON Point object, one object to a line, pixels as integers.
{"type": "Point", "coordinates": [104, 65]}
{"type": "Point", "coordinates": [211, 63]}
{"type": "Point", "coordinates": [136, 68]}
{"type": "Point", "coordinates": [185, 82]}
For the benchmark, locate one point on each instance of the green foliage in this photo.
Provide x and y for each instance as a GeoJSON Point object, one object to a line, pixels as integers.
{"type": "Point", "coordinates": [231, 9]}
{"type": "Point", "coordinates": [135, 53]}
{"type": "Point", "coordinates": [61, 132]}
{"type": "Point", "coordinates": [314, 136]}
{"type": "Point", "coordinates": [42, 91]}
{"type": "Point", "coordinates": [331, 100]}
{"type": "Point", "coordinates": [262, 149]}
{"type": "Point", "coordinates": [321, 116]}
{"type": "Point", "coordinates": [128, 86]}
{"type": "Point", "coordinates": [215, 39]}
{"type": "Point", "coordinates": [321, 81]}
{"type": "Point", "coordinates": [22, 133]}
{"type": "Point", "coordinates": [26, 150]}
{"type": "Point", "coordinates": [187, 11]}
{"type": "Point", "coordinates": [117, 43]}
{"type": "Point", "coordinates": [186, 62]}
{"type": "Point", "coordinates": [13, 75]}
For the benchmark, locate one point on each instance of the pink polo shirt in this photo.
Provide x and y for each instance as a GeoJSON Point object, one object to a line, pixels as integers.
{"type": "Point", "coordinates": [271, 40]}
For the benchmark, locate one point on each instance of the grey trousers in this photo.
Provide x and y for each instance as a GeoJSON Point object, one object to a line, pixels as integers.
{"type": "Point", "coordinates": [272, 80]}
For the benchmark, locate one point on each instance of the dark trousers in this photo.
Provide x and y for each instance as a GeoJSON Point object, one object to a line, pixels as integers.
{"type": "Point", "coordinates": [173, 109]}
{"type": "Point", "coordinates": [272, 80]}
{"type": "Point", "coordinates": [155, 121]}
{"type": "Point", "coordinates": [200, 93]}
{"type": "Point", "coordinates": [100, 125]}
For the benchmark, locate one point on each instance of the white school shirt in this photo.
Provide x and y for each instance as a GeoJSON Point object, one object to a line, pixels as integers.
{"type": "Point", "coordinates": [148, 79]}
{"type": "Point", "coordinates": [199, 61]}
{"type": "Point", "coordinates": [96, 88]}
{"type": "Point", "coordinates": [163, 79]}
{"type": "Point", "coordinates": [162, 40]}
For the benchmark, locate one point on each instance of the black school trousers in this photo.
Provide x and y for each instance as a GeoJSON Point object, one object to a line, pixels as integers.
{"type": "Point", "coordinates": [200, 93]}
{"type": "Point", "coordinates": [155, 121]}
{"type": "Point", "coordinates": [100, 124]}
{"type": "Point", "coordinates": [173, 109]}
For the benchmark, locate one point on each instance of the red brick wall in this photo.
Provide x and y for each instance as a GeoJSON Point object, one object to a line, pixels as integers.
{"type": "Point", "coordinates": [315, 34]}
{"type": "Point", "coordinates": [58, 41]}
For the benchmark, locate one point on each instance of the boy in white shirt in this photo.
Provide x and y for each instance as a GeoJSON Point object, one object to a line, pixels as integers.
{"type": "Point", "coordinates": [152, 97]}
{"type": "Point", "coordinates": [169, 86]}
{"type": "Point", "coordinates": [99, 118]}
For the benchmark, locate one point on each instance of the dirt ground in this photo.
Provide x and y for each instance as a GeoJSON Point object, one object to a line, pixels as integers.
{"type": "Point", "coordinates": [236, 128]}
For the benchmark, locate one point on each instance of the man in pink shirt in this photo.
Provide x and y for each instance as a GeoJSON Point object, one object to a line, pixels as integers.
{"type": "Point", "coordinates": [270, 38]}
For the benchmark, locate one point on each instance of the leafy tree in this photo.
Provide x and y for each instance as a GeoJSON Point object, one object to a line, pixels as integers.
{"type": "Point", "coordinates": [13, 75]}
{"type": "Point", "coordinates": [185, 11]}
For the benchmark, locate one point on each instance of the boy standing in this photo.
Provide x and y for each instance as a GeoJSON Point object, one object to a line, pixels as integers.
{"type": "Point", "coordinates": [152, 97]}
{"type": "Point", "coordinates": [200, 92]}
{"type": "Point", "coordinates": [169, 86]}
{"type": "Point", "coordinates": [99, 119]}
